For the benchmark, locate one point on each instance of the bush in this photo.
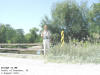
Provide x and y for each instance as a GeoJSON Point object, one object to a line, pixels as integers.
{"type": "Point", "coordinates": [75, 52]}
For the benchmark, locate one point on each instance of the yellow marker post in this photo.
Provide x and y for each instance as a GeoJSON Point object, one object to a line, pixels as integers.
{"type": "Point", "coordinates": [62, 38]}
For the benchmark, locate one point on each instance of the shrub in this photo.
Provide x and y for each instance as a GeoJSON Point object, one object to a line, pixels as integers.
{"type": "Point", "coordinates": [75, 52]}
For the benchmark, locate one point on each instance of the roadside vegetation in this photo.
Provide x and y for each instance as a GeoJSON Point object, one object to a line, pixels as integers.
{"type": "Point", "coordinates": [75, 52]}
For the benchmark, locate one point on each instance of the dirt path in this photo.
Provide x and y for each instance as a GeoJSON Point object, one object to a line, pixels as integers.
{"type": "Point", "coordinates": [39, 67]}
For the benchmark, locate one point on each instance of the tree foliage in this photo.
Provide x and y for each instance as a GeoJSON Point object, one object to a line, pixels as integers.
{"type": "Point", "coordinates": [11, 35]}
{"type": "Point", "coordinates": [73, 18]}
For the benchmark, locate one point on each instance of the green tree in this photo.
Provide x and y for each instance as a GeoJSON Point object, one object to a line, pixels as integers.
{"type": "Point", "coordinates": [32, 36]}
{"type": "Point", "coordinates": [2, 33]}
{"type": "Point", "coordinates": [94, 20]}
{"type": "Point", "coordinates": [70, 17]}
{"type": "Point", "coordinates": [20, 36]}
{"type": "Point", "coordinates": [10, 34]}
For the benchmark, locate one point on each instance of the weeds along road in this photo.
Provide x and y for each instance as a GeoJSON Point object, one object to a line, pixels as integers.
{"type": "Point", "coordinates": [39, 67]}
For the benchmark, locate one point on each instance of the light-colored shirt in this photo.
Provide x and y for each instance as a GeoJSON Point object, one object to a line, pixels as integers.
{"type": "Point", "coordinates": [46, 34]}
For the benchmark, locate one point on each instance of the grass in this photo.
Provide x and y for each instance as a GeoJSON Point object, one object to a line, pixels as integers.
{"type": "Point", "coordinates": [75, 52]}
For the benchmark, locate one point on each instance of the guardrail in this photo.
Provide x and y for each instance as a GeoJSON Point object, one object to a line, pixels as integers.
{"type": "Point", "coordinates": [21, 44]}
{"type": "Point", "coordinates": [35, 47]}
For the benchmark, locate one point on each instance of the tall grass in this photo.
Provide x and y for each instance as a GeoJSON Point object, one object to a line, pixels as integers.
{"type": "Point", "coordinates": [75, 52]}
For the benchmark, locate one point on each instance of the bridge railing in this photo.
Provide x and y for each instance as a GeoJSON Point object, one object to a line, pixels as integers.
{"type": "Point", "coordinates": [35, 46]}
{"type": "Point", "coordinates": [21, 44]}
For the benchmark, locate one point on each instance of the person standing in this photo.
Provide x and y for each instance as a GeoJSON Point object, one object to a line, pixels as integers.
{"type": "Point", "coordinates": [46, 38]}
